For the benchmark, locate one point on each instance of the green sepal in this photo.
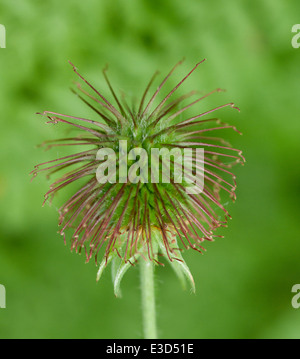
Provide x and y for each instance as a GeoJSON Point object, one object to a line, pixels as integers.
{"type": "Point", "coordinates": [102, 266]}
{"type": "Point", "coordinates": [123, 268]}
{"type": "Point", "coordinates": [178, 264]}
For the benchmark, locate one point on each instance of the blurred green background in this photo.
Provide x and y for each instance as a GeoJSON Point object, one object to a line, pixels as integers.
{"type": "Point", "coordinates": [243, 281]}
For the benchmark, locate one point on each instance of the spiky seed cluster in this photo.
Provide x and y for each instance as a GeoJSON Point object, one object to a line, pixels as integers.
{"type": "Point", "coordinates": [143, 218]}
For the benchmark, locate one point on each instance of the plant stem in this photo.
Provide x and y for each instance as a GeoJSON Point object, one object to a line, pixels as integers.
{"type": "Point", "coordinates": [148, 299]}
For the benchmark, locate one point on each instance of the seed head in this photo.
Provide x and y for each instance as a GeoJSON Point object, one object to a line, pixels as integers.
{"type": "Point", "coordinates": [123, 219]}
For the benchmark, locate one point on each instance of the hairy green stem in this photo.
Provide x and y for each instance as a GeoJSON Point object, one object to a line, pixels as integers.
{"type": "Point", "coordinates": [148, 299]}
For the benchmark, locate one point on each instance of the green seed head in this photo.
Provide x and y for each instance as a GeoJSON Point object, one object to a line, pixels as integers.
{"type": "Point", "coordinates": [150, 178]}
